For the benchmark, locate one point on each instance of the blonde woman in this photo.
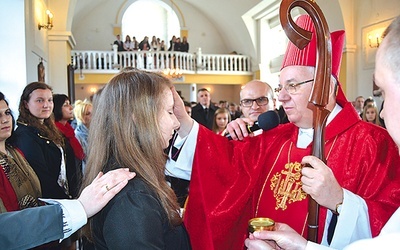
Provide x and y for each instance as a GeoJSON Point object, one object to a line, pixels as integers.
{"type": "Point", "coordinates": [134, 122]}
{"type": "Point", "coordinates": [371, 114]}
{"type": "Point", "coordinates": [83, 116]}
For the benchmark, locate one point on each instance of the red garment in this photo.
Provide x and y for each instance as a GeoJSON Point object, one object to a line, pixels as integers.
{"type": "Point", "coordinates": [228, 177]}
{"type": "Point", "coordinates": [7, 194]}
{"type": "Point", "coordinates": [69, 133]}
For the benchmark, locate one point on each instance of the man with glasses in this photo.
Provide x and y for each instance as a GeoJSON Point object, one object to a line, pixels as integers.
{"type": "Point", "coordinates": [256, 97]}
{"type": "Point", "coordinates": [263, 176]}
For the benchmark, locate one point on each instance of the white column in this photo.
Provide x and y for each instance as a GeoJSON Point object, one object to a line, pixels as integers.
{"type": "Point", "coordinates": [193, 92]}
{"type": "Point", "coordinates": [199, 58]}
{"type": "Point", "coordinates": [60, 45]}
{"type": "Point", "coordinates": [115, 55]}
{"type": "Point", "coordinates": [351, 69]}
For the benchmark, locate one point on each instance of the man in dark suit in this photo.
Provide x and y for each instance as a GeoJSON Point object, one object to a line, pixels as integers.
{"type": "Point", "coordinates": [233, 110]}
{"type": "Point", "coordinates": [36, 226]}
{"type": "Point", "coordinates": [119, 43]}
{"type": "Point", "coordinates": [204, 111]}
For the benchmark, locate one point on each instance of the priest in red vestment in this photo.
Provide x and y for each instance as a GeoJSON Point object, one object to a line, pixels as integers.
{"type": "Point", "coordinates": [234, 181]}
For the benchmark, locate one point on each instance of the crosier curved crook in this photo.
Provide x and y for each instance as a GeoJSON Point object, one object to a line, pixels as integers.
{"type": "Point", "coordinates": [320, 92]}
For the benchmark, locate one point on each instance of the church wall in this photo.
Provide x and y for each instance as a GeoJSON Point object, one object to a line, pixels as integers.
{"type": "Point", "coordinates": [95, 29]}
{"type": "Point", "coordinates": [370, 12]}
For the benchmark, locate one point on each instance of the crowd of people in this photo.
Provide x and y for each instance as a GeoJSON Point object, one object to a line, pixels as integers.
{"type": "Point", "coordinates": [42, 158]}
{"type": "Point", "coordinates": [156, 44]}
{"type": "Point", "coordinates": [368, 110]}
{"type": "Point", "coordinates": [176, 149]}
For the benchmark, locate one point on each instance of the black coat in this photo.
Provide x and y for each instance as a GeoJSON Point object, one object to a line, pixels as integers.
{"type": "Point", "coordinates": [45, 158]}
{"type": "Point", "coordinates": [199, 115]}
{"type": "Point", "coordinates": [135, 219]}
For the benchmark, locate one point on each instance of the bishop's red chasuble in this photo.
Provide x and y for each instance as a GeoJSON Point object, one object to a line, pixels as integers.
{"type": "Point", "coordinates": [234, 181]}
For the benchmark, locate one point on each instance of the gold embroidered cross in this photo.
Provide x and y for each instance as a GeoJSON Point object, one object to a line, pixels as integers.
{"type": "Point", "coordinates": [286, 185]}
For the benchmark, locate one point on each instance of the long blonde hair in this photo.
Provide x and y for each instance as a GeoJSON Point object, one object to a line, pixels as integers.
{"type": "Point", "coordinates": [126, 130]}
{"type": "Point", "coordinates": [364, 115]}
{"type": "Point", "coordinates": [80, 109]}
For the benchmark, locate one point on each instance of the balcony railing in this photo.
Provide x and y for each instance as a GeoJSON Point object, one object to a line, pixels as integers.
{"type": "Point", "coordinates": [101, 62]}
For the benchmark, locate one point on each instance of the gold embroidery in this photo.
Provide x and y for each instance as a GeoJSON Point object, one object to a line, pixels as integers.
{"type": "Point", "coordinates": [297, 189]}
{"type": "Point", "coordinates": [286, 186]}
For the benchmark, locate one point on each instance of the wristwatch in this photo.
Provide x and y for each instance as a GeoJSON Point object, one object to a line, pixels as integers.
{"type": "Point", "coordinates": [338, 208]}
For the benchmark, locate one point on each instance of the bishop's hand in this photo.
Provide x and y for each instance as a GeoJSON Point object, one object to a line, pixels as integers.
{"type": "Point", "coordinates": [319, 182]}
{"type": "Point", "coordinates": [186, 122]}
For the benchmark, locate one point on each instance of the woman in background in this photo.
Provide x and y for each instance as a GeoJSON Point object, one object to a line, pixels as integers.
{"type": "Point", "coordinates": [184, 45]}
{"type": "Point", "coordinates": [221, 118]}
{"type": "Point", "coordinates": [40, 141]}
{"type": "Point", "coordinates": [74, 155]}
{"type": "Point", "coordinates": [43, 146]}
{"type": "Point", "coordinates": [83, 115]}
{"type": "Point", "coordinates": [370, 114]}
{"type": "Point", "coordinates": [128, 43]}
{"type": "Point", "coordinates": [134, 122]}
{"type": "Point", "coordinates": [19, 185]}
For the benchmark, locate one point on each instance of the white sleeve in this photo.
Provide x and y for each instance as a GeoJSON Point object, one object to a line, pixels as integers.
{"type": "Point", "coordinates": [74, 215]}
{"type": "Point", "coordinates": [387, 239]}
{"type": "Point", "coordinates": [182, 167]}
{"type": "Point", "coordinates": [316, 246]}
{"type": "Point", "coordinates": [353, 222]}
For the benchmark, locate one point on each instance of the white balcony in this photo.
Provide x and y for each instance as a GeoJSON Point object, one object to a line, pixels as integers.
{"type": "Point", "coordinates": [105, 62]}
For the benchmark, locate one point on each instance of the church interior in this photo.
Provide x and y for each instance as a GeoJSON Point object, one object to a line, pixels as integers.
{"type": "Point", "coordinates": [214, 29]}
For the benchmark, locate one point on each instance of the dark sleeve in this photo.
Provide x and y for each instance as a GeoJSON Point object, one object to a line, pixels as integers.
{"type": "Point", "coordinates": [74, 173]}
{"type": "Point", "coordinates": [46, 170]}
{"type": "Point", "coordinates": [134, 220]}
{"type": "Point", "coordinates": [31, 227]}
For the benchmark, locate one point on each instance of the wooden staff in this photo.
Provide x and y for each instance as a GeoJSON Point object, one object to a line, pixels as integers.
{"type": "Point", "coordinates": [320, 91]}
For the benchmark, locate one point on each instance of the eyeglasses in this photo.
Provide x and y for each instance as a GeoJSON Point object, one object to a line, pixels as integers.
{"type": "Point", "coordinates": [261, 101]}
{"type": "Point", "coordinates": [291, 88]}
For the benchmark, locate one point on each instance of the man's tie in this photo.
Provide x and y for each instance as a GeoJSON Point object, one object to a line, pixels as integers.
{"type": "Point", "coordinates": [206, 114]}
{"type": "Point", "coordinates": [331, 228]}
{"type": "Point", "coordinates": [174, 153]}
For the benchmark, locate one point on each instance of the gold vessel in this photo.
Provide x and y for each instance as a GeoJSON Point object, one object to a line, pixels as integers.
{"type": "Point", "coordinates": [261, 224]}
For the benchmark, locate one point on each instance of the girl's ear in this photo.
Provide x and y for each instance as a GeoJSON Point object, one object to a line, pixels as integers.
{"type": "Point", "coordinates": [26, 105]}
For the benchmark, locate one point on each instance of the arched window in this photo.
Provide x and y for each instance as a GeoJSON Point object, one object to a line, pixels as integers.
{"type": "Point", "coordinates": [150, 18]}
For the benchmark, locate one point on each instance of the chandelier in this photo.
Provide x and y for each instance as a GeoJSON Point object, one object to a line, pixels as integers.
{"type": "Point", "coordinates": [172, 73]}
